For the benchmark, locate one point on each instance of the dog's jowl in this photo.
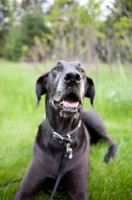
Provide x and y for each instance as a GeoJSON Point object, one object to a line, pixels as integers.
{"type": "Point", "coordinates": [66, 130]}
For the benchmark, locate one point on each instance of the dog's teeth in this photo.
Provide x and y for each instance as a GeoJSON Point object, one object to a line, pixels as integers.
{"type": "Point", "coordinates": [67, 106]}
{"type": "Point", "coordinates": [64, 103]}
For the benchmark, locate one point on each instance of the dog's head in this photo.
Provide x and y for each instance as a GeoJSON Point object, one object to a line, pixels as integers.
{"type": "Point", "coordinates": [66, 85]}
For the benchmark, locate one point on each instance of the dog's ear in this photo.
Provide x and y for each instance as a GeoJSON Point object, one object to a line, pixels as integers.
{"type": "Point", "coordinates": [41, 86]}
{"type": "Point", "coordinates": [90, 92]}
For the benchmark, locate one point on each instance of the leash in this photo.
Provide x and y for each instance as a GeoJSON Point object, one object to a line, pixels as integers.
{"type": "Point", "coordinates": [11, 182]}
{"type": "Point", "coordinates": [66, 141]}
{"type": "Point", "coordinates": [67, 156]}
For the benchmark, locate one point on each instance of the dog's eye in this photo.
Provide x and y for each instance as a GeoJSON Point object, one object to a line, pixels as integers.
{"type": "Point", "coordinates": [56, 69]}
{"type": "Point", "coordinates": [80, 70]}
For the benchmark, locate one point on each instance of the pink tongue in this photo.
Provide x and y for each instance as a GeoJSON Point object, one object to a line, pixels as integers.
{"type": "Point", "coordinates": [71, 103]}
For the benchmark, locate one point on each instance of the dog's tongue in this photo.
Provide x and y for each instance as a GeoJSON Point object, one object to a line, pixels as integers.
{"type": "Point", "coordinates": [70, 103]}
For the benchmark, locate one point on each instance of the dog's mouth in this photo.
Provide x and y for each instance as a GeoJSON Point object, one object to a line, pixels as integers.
{"type": "Point", "coordinates": [69, 106]}
{"type": "Point", "coordinates": [70, 101]}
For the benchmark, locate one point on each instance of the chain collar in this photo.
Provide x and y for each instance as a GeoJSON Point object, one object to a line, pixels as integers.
{"type": "Point", "coordinates": [66, 139]}
{"type": "Point", "coordinates": [67, 136]}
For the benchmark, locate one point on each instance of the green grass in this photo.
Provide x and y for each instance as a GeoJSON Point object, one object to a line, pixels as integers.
{"type": "Point", "coordinates": [19, 119]}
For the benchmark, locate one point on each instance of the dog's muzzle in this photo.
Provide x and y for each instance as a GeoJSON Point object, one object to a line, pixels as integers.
{"type": "Point", "coordinates": [68, 98]}
{"type": "Point", "coordinates": [69, 106]}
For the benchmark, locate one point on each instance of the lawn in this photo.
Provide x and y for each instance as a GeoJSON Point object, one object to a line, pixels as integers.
{"type": "Point", "coordinates": [19, 119]}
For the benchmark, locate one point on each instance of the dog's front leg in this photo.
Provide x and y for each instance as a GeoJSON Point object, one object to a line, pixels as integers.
{"type": "Point", "coordinates": [76, 184]}
{"type": "Point", "coordinates": [32, 183]}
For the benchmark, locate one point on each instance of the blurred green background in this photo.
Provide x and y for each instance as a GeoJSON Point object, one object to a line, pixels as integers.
{"type": "Point", "coordinates": [88, 30]}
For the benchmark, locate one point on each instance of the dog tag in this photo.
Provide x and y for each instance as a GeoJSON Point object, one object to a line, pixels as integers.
{"type": "Point", "coordinates": [70, 156]}
{"type": "Point", "coordinates": [69, 151]}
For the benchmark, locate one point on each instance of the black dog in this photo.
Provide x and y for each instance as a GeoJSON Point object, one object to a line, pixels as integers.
{"type": "Point", "coordinates": [66, 129]}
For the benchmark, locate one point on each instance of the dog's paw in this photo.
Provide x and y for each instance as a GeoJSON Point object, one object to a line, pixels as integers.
{"type": "Point", "coordinates": [111, 153]}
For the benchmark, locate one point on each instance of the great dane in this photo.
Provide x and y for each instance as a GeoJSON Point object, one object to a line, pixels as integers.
{"type": "Point", "coordinates": [66, 127]}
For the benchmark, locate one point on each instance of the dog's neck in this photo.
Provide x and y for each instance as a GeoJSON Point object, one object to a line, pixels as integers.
{"type": "Point", "coordinates": [59, 124]}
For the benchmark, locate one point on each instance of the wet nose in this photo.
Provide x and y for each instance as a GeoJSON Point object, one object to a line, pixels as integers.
{"type": "Point", "coordinates": [72, 78]}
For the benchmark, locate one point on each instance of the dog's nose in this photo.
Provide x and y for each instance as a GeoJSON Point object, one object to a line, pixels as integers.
{"type": "Point", "coordinates": [72, 78]}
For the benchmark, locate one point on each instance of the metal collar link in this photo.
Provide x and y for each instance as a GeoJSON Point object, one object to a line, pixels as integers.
{"type": "Point", "coordinates": [66, 141]}
{"type": "Point", "coordinates": [61, 139]}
